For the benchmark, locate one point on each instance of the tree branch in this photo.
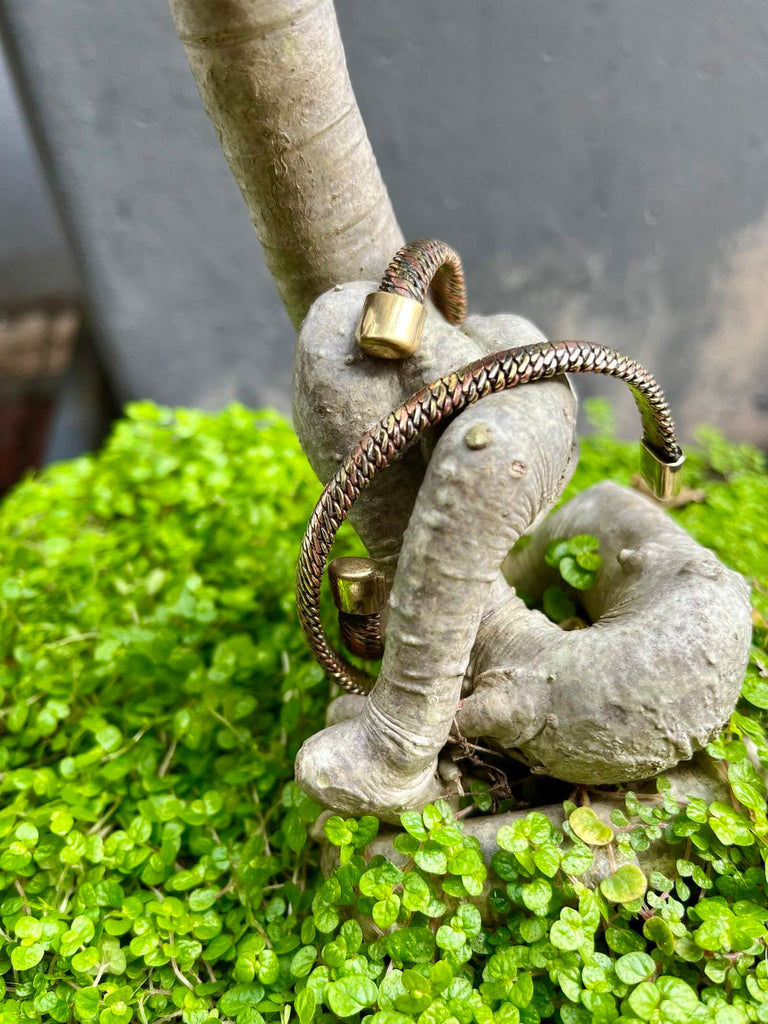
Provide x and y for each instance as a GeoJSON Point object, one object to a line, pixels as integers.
{"type": "Point", "coordinates": [273, 79]}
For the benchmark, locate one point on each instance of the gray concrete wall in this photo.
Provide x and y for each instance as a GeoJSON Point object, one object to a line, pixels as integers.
{"type": "Point", "coordinates": [600, 164]}
{"type": "Point", "coordinates": [35, 261]}
{"type": "Point", "coordinates": [36, 265]}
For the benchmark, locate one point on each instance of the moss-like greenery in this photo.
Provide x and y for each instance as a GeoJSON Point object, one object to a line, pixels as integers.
{"type": "Point", "coordinates": [154, 858]}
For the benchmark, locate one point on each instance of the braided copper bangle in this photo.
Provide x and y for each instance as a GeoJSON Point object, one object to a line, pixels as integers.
{"type": "Point", "coordinates": [393, 317]}
{"type": "Point", "coordinates": [427, 264]}
{"type": "Point", "coordinates": [439, 401]}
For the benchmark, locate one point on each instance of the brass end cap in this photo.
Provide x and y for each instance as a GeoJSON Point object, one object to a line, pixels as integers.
{"type": "Point", "coordinates": [664, 478]}
{"type": "Point", "coordinates": [358, 585]}
{"type": "Point", "coordinates": [390, 326]}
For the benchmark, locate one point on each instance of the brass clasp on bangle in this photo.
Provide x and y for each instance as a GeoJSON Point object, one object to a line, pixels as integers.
{"type": "Point", "coordinates": [390, 326]}
{"type": "Point", "coordinates": [663, 478]}
{"type": "Point", "coordinates": [359, 591]}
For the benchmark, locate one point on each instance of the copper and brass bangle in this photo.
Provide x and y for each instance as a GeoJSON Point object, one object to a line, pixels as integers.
{"type": "Point", "coordinates": [392, 320]}
{"type": "Point", "coordinates": [661, 455]}
{"type": "Point", "coordinates": [427, 264]}
{"type": "Point", "coordinates": [359, 590]}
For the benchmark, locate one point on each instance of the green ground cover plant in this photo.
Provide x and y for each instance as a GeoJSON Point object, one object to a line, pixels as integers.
{"type": "Point", "coordinates": [155, 862]}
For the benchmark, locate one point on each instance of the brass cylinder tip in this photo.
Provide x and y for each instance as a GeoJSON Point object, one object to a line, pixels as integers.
{"type": "Point", "coordinates": [664, 478]}
{"type": "Point", "coordinates": [390, 326]}
{"type": "Point", "coordinates": [358, 585]}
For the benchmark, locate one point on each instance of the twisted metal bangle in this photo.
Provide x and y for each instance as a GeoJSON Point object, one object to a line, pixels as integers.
{"type": "Point", "coordinates": [427, 263]}
{"type": "Point", "coordinates": [362, 634]}
{"type": "Point", "coordinates": [432, 404]}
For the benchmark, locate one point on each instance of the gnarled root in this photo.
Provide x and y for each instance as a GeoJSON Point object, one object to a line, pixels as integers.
{"type": "Point", "coordinates": [648, 684]}
{"type": "Point", "coordinates": [642, 689]}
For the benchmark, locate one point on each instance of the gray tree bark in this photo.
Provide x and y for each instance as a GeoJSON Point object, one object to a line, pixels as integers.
{"type": "Point", "coordinates": [494, 472]}
{"type": "Point", "coordinates": [273, 79]}
{"type": "Point", "coordinates": [643, 688]}
{"type": "Point", "coordinates": [649, 684]}
{"type": "Point", "coordinates": [614, 703]}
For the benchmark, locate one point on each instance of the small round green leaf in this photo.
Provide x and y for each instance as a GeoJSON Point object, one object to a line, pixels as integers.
{"type": "Point", "coordinates": [86, 1004]}
{"type": "Point", "coordinates": [415, 944]}
{"type": "Point", "coordinates": [657, 930]}
{"type": "Point", "coordinates": [588, 827]}
{"type": "Point", "coordinates": [556, 604]}
{"type": "Point", "coordinates": [635, 967]}
{"type": "Point", "coordinates": [644, 999]}
{"type": "Point", "coordinates": [577, 860]}
{"type": "Point", "coordinates": [337, 831]}
{"type": "Point", "coordinates": [384, 912]}
{"type": "Point", "coordinates": [556, 549]}
{"type": "Point", "coordinates": [431, 859]}
{"type": "Point", "coordinates": [350, 994]}
{"type": "Point", "coordinates": [24, 957]}
{"type": "Point", "coordinates": [567, 933]}
{"type": "Point", "coordinates": [416, 894]}
{"type": "Point", "coordinates": [624, 885]}
{"type": "Point", "coordinates": [306, 1002]}
{"type": "Point", "coordinates": [27, 834]}
{"type": "Point", "coordinates": [413, 824]}
{"type": "Point", "coordinates": [583, 543]}
{"type": "Point", "coordinates": [589, 560]}
{"type": "Point", "coordinates": [28, 928]}
{"type": "Point", "coordinates": [536, 896]}
{"type": "Point", "coordinates": [572, 573]}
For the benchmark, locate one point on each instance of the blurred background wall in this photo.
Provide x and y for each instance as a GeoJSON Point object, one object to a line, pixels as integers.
{"type": "Point", "coordinates": [601, 165]}
{"type": "Point", "coordinates": [40, 300]}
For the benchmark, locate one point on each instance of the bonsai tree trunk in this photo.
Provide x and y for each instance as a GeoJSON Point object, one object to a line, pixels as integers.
{"type": "Point", "coordinates": [274, 81]}
{"type": "Point", "coordinates": [460, 644]}
{"type": "Point", "coordinates": [646, 686]}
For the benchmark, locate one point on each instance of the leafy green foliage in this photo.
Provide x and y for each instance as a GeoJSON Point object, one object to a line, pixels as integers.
{"type": "Point", "coordinates": [576, 559]}
{"type": "Point", "coordinates": [556, 604]}
{"type": "Point", "coordinates": [155, 859]}
{"type": "Point", "coordinates": [588, 827]}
